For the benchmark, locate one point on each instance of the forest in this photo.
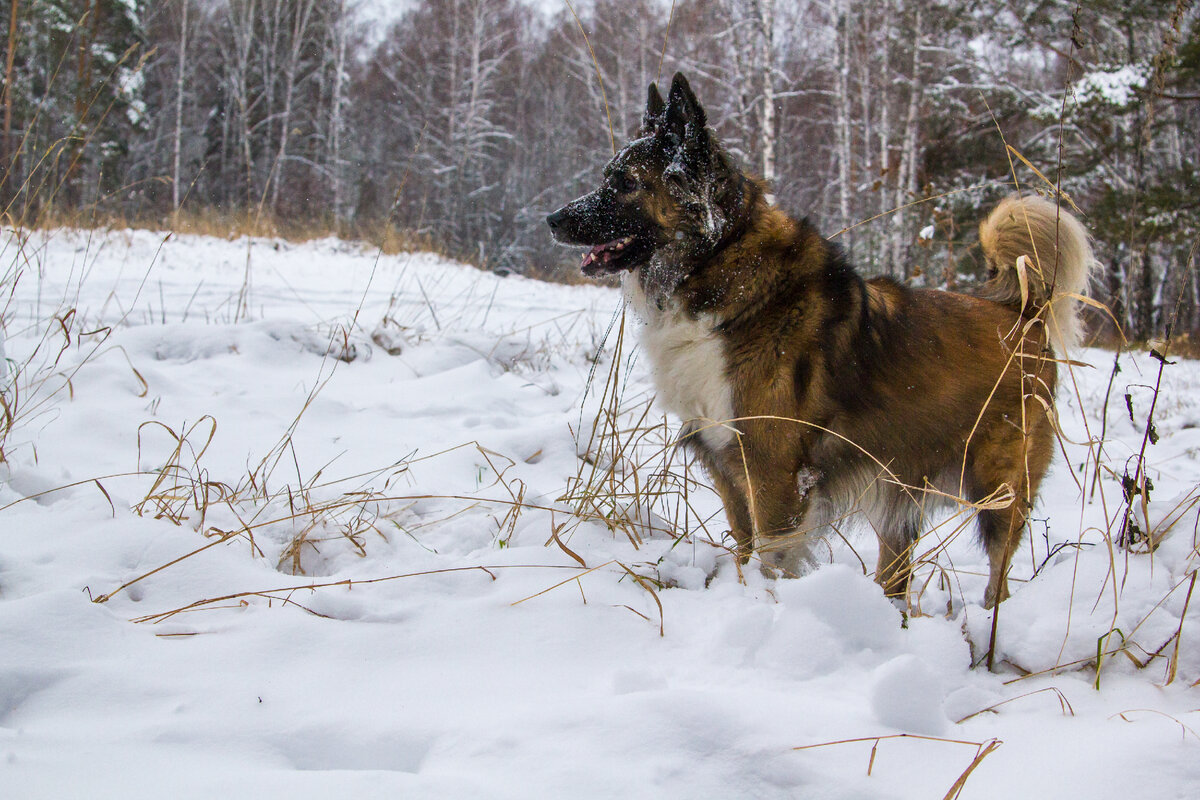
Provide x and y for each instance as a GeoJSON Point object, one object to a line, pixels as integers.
{"type": "Point", "coordinates": [456, 125]}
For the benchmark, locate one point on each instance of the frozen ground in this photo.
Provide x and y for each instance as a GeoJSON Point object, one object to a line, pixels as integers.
{"type": "Point", "coordinates": [494, 615]}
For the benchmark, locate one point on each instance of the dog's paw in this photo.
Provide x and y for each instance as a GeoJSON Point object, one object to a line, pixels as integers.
{"type": "Point", "coordinates": [784, 562]}
{"type": "Point", "coordinates": [997, 592]}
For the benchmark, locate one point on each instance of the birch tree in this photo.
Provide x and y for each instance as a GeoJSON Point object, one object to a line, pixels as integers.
{"type": "Point", "coordinates": [294, 19]}
{"type": "Point", "coordinates": [340, 43]}
{"type": "Point", "coordinates": [180, 81]}
{"type": "Point", "coordinates": [845, 138]}
{"type": "Point", "coordinates": [906, 178]}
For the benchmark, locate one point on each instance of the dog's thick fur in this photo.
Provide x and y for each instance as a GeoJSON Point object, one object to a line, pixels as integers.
{"type": "Point", "coordinates": [809, 393]}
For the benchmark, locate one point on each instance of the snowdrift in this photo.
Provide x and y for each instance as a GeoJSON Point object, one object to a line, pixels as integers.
{"type": "Point", "coordinates": [286, 520]}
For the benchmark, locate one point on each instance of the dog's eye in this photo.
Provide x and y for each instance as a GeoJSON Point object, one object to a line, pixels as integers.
{"type": "Point", "coordinates": [624, 184]}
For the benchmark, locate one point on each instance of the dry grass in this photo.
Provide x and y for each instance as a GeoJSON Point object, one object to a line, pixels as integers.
{"type": "Point", "coordinates": [382, 235]}
{"type": "Point", "coordinates": [630, 478]}
{"type": "Point", "coordinates": [982, 751]}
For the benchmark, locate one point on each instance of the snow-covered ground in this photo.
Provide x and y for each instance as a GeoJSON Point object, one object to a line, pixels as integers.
{"type": "Point", "coordinates": [284, 521]}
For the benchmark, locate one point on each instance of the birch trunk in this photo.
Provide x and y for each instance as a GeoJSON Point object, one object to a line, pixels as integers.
{"type": "Point", "coordinates": [844, 138]}
{"type": "Point", "coordinates": [242, 29]}
{"type": "Point", "coordinates": [179, 82]}
{"type": "Point", "coordinates": [455, 160]}
{"type": "Point", "coordinates": [885, 120]}
{"type": "Point", "coordinates": [471, 125]}
{"type": "Point", "coordinates": [867, 70]}
{"type": "Point", "coordinates": [906, 185]}
{"type": "Point", "coordinates": [335, 116]}
{"type": "Point", "coordinates": [765, 22]}
{"type": "Point", "coordinates": [295, 45]}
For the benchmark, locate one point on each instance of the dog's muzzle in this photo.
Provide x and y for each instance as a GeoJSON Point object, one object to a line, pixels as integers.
{"type": "Point", "coordinates": [556, 220]}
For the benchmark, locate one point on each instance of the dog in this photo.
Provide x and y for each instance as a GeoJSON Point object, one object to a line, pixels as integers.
{"type": "Point", "coordinates": [809, 393]}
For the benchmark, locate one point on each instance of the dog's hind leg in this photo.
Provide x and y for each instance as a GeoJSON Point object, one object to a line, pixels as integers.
{"type": "Point", "coordinates": [1001, 533]}
{"type": "Point", "coordinates": [1020, 465]}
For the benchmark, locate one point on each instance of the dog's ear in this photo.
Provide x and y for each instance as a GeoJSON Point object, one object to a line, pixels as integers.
{"type": "Point", "coordinates": [654, 110]}
{"type": "Point", "coordinates": [698, 173]}
{"type": "Point", "coordinates": [684, 128]}
{"type": "Point", "coordinates": [684, 112]}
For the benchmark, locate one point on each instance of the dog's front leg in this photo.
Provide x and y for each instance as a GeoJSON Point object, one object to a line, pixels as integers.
{"type": "Point", "coordinates": [731, 486]}
{"type": "Point", "coordinates": [737, 511]}
{"type": "Point", "coordinates": [784, 522]}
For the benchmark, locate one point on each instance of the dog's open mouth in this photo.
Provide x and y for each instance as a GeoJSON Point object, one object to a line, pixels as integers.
{"type": "Point", "coordinates": [613, 256]}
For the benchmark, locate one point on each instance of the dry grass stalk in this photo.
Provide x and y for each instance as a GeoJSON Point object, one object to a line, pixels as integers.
{"type": "Point", "coordinates": [1184, 730]}
{"type": "Point", "coordinates": [982, 751]}
{"type": "Point", "coordinates": [284, 593]}
{"type": "Point", "coordinates": [1064, 705]}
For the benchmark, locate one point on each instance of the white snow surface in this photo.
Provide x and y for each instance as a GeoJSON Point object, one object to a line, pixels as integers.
{"type": "Point", "coordinates": [427, 639]}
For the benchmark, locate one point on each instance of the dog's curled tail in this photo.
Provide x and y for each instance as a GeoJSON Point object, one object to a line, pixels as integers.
{"type": "Point", "coordinates": [1040, 259]}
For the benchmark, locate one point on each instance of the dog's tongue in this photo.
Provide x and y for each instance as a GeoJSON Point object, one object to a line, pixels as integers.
{"type": "Point", "coordinates": [599, 253]}
{"type": "Point", "coordinates": [599, 256]}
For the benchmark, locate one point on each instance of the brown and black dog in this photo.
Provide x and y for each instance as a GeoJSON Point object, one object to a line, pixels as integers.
{"type": "Point", "coordinates": [809, 393]}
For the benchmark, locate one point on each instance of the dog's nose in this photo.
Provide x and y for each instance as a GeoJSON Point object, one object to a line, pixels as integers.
{"type": "Point", "coordinates": [556, 219]}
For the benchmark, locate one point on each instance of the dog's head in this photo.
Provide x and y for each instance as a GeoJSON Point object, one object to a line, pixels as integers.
{"type": "Point", "coordinates": [670, 192]}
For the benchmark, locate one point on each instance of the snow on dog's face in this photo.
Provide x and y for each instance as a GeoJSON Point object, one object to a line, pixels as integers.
{"type": "Point", "coordinates": [666, 193]}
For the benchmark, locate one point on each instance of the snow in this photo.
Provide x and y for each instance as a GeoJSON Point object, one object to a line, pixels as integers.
{"type": "Point", "coordinates": [451, 646]}
{"type": "Point", "coordinates": [907, 695]}
{"type": "Point", "coordinates": [1113, 87]}
{"type": "Point", "coordinates": [1118, 88]}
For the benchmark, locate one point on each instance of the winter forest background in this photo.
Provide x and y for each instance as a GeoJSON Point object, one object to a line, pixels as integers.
{"type": "Point", "coordinates": [458, 124]}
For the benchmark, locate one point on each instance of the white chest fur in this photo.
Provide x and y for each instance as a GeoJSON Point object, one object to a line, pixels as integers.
{"type": "Point", "coordinates": [689, 365]}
